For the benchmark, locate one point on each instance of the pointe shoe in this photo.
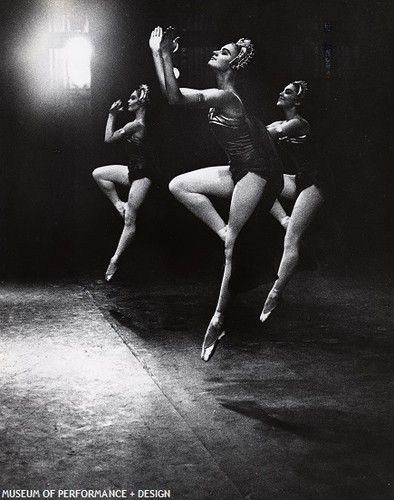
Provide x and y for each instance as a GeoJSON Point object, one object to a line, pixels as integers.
{"type": "Point", "coordinates": [111, 270]}
{"type": "Point", "coordinates": [211, 340]}
{"type": "Point", "coordinates": [272, 303]}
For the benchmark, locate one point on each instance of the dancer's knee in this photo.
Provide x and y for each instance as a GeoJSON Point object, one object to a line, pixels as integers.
{"type": "Point", "coordinates": [177, 187]}
{"type": "Point", "coordinates": [96, 174]}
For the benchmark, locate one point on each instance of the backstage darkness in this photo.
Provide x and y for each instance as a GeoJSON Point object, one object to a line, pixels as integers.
{"type": "Point", "coordinates": [297, 408]}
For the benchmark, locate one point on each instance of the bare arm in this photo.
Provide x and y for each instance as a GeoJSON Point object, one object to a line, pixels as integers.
{"type": "Point", "coordinates": [112, 135]}
{"type": "Point", "coordinates": [154, 44]}
{"type": "Point", "coordinates": [292, 128]}
{"type": "Point", "coordinates": [187, 97]}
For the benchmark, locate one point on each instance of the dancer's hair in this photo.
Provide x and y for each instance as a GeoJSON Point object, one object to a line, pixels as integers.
{"type": "Point", "coordinates": [245, 54]}
{"type": "Point", "coordinates": [143, 94]}
{"type": "Point", "coordinates": [301, 89]}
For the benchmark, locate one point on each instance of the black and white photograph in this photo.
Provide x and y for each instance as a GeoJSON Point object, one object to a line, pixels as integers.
{"type": "Point", "coordinates": [196, 249]}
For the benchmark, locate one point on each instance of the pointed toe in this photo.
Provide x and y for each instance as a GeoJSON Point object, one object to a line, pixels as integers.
{"type": "Point", "coordinates": [212, 338]}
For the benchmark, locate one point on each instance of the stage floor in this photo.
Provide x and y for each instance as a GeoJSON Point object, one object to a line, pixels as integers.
{"type": "Point", "coordinates": [102, 387]}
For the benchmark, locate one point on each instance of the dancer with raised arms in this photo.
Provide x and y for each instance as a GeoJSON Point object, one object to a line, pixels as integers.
{"type": "Point", "coordinates": [253, 174]}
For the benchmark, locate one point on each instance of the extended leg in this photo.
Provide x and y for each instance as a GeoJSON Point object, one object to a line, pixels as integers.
{"type": "Point", "coordinates": [246, 196]}
{"type": "Point", "coordinates": [307, 204]}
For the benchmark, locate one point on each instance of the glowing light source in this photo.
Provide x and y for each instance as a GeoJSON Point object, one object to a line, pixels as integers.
{"type": "Point", "coordinates": [78, 54]}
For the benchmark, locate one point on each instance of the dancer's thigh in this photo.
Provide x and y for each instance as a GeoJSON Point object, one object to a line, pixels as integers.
{"type": "Point", "coordinates": [119, 174]}
{"type": "Point", "coordinates": [137, 193]}
{"type": "Point", "coordinates": [305, 208]}
{"type": "Point", "coordinates": [289, 191]}
{"type": "Point", "coordinates": [247, 194]}
{"type": "Point", "coordinates": [213, 181]}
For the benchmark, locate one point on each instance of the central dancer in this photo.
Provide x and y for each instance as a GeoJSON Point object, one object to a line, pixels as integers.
{"type": "Point", "coordinates": [254, 173]}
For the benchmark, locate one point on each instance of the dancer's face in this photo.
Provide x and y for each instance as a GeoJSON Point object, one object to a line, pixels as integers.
{"type": "Point", "coordinates": [132, 103]}
{"type": "Point", "coordinates": [221, 58]}
{"type": "Point", "coordinates": [288, 97]}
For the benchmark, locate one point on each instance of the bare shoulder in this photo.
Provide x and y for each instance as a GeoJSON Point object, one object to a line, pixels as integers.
{"type": "Point", "coordinates": [304, 124]}
{"type": "Point", "coordinates": [276, 124]}
{"type": "Point", "coordinates": [133, 127]}
{"type": "Point", "coordinates": [296, 126]}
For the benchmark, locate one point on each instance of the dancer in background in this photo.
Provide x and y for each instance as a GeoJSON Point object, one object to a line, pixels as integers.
{"type": "Point", "coordinates": [306, 183]}
{"type": "Point", "coordinates": [137, 174]}
{"type": "Point", "coordinates": [254, 172]}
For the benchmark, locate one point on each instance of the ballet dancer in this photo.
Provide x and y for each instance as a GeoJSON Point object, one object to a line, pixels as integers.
{"type": "Point", "coordinates": [306, 183]}
{"type": "Point", "coordinates": [254, 172]}
{"type": "Point", "coordinates": [137, 175]}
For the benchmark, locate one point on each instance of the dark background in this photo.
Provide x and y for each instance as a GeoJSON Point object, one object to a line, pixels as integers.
{"type": "Point", "coordinates": [54, 219]}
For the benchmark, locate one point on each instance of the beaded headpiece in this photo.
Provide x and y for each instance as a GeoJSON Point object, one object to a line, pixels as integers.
{"type": "Point", "coordinates": [245, 54]}
{"type": "Point", "coordinates": [143, 94]}
{"type": "Point", "coordinates": [301, 88]}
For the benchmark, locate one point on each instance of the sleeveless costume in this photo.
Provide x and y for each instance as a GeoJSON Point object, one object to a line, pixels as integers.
{"type": "Point", "coordinates": [249, 148]}
{"type": "Point", "coordinates": [138, 159]}
{"type": "Point", "coordinates": [301, 158]}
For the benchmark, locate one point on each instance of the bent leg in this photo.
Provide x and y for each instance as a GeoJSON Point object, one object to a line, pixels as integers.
{"type": "Point", "coordinates": [305, 208]}
{"type": "Point", "coordinates": [194, 188]}
{"type": "Point", "coordinates": [107, 177]}
{"type": "Point", "coordinates": [138, 191]}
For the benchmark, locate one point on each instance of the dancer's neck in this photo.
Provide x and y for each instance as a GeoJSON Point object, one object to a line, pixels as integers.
{"type": "Point", "coordinates": [226, 81]}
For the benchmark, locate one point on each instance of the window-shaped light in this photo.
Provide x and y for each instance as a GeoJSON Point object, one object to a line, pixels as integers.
{"type": "Point", "coordinates": [78, 55]}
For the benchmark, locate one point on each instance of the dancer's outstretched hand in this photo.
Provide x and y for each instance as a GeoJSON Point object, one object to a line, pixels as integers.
{"type": "Point", "coordinates": [168, 44]}
{"type": "Point", "coordinates": [155, 39]}
{"type": "Point", "coordinates": [116, 107]}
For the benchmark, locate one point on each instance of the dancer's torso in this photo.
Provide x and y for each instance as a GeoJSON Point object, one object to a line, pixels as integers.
{"type": "Point", "coordinates": [300, 157]}
{"type": "Point", "coordinates": [234, 135]}
{"type": "Point", "coordinates": [136, 151]}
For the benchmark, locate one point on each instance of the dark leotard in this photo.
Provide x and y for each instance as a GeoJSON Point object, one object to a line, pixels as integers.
{"type": "Point", "coordinates": [247, 149]}
{"type": "Point", "coordinates": [301, 158]}
{"type": "Point", "coordinates": [138, 159]}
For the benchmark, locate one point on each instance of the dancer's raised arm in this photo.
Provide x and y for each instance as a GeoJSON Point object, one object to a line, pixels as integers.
{"type": "Point", "coordinates": [185, 96]}
{"type": "Point", "coordinates": [154, 44]}
{"type": "Point", "coordinates": [112, 135]}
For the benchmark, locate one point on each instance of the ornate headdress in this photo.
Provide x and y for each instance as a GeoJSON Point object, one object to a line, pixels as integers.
{"type": "Point", "coordinates": [245, 54]}
{"type": "Point", "coordinates": [301, 88]}
{"type": "Point", "coordinates": [143, 94]}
